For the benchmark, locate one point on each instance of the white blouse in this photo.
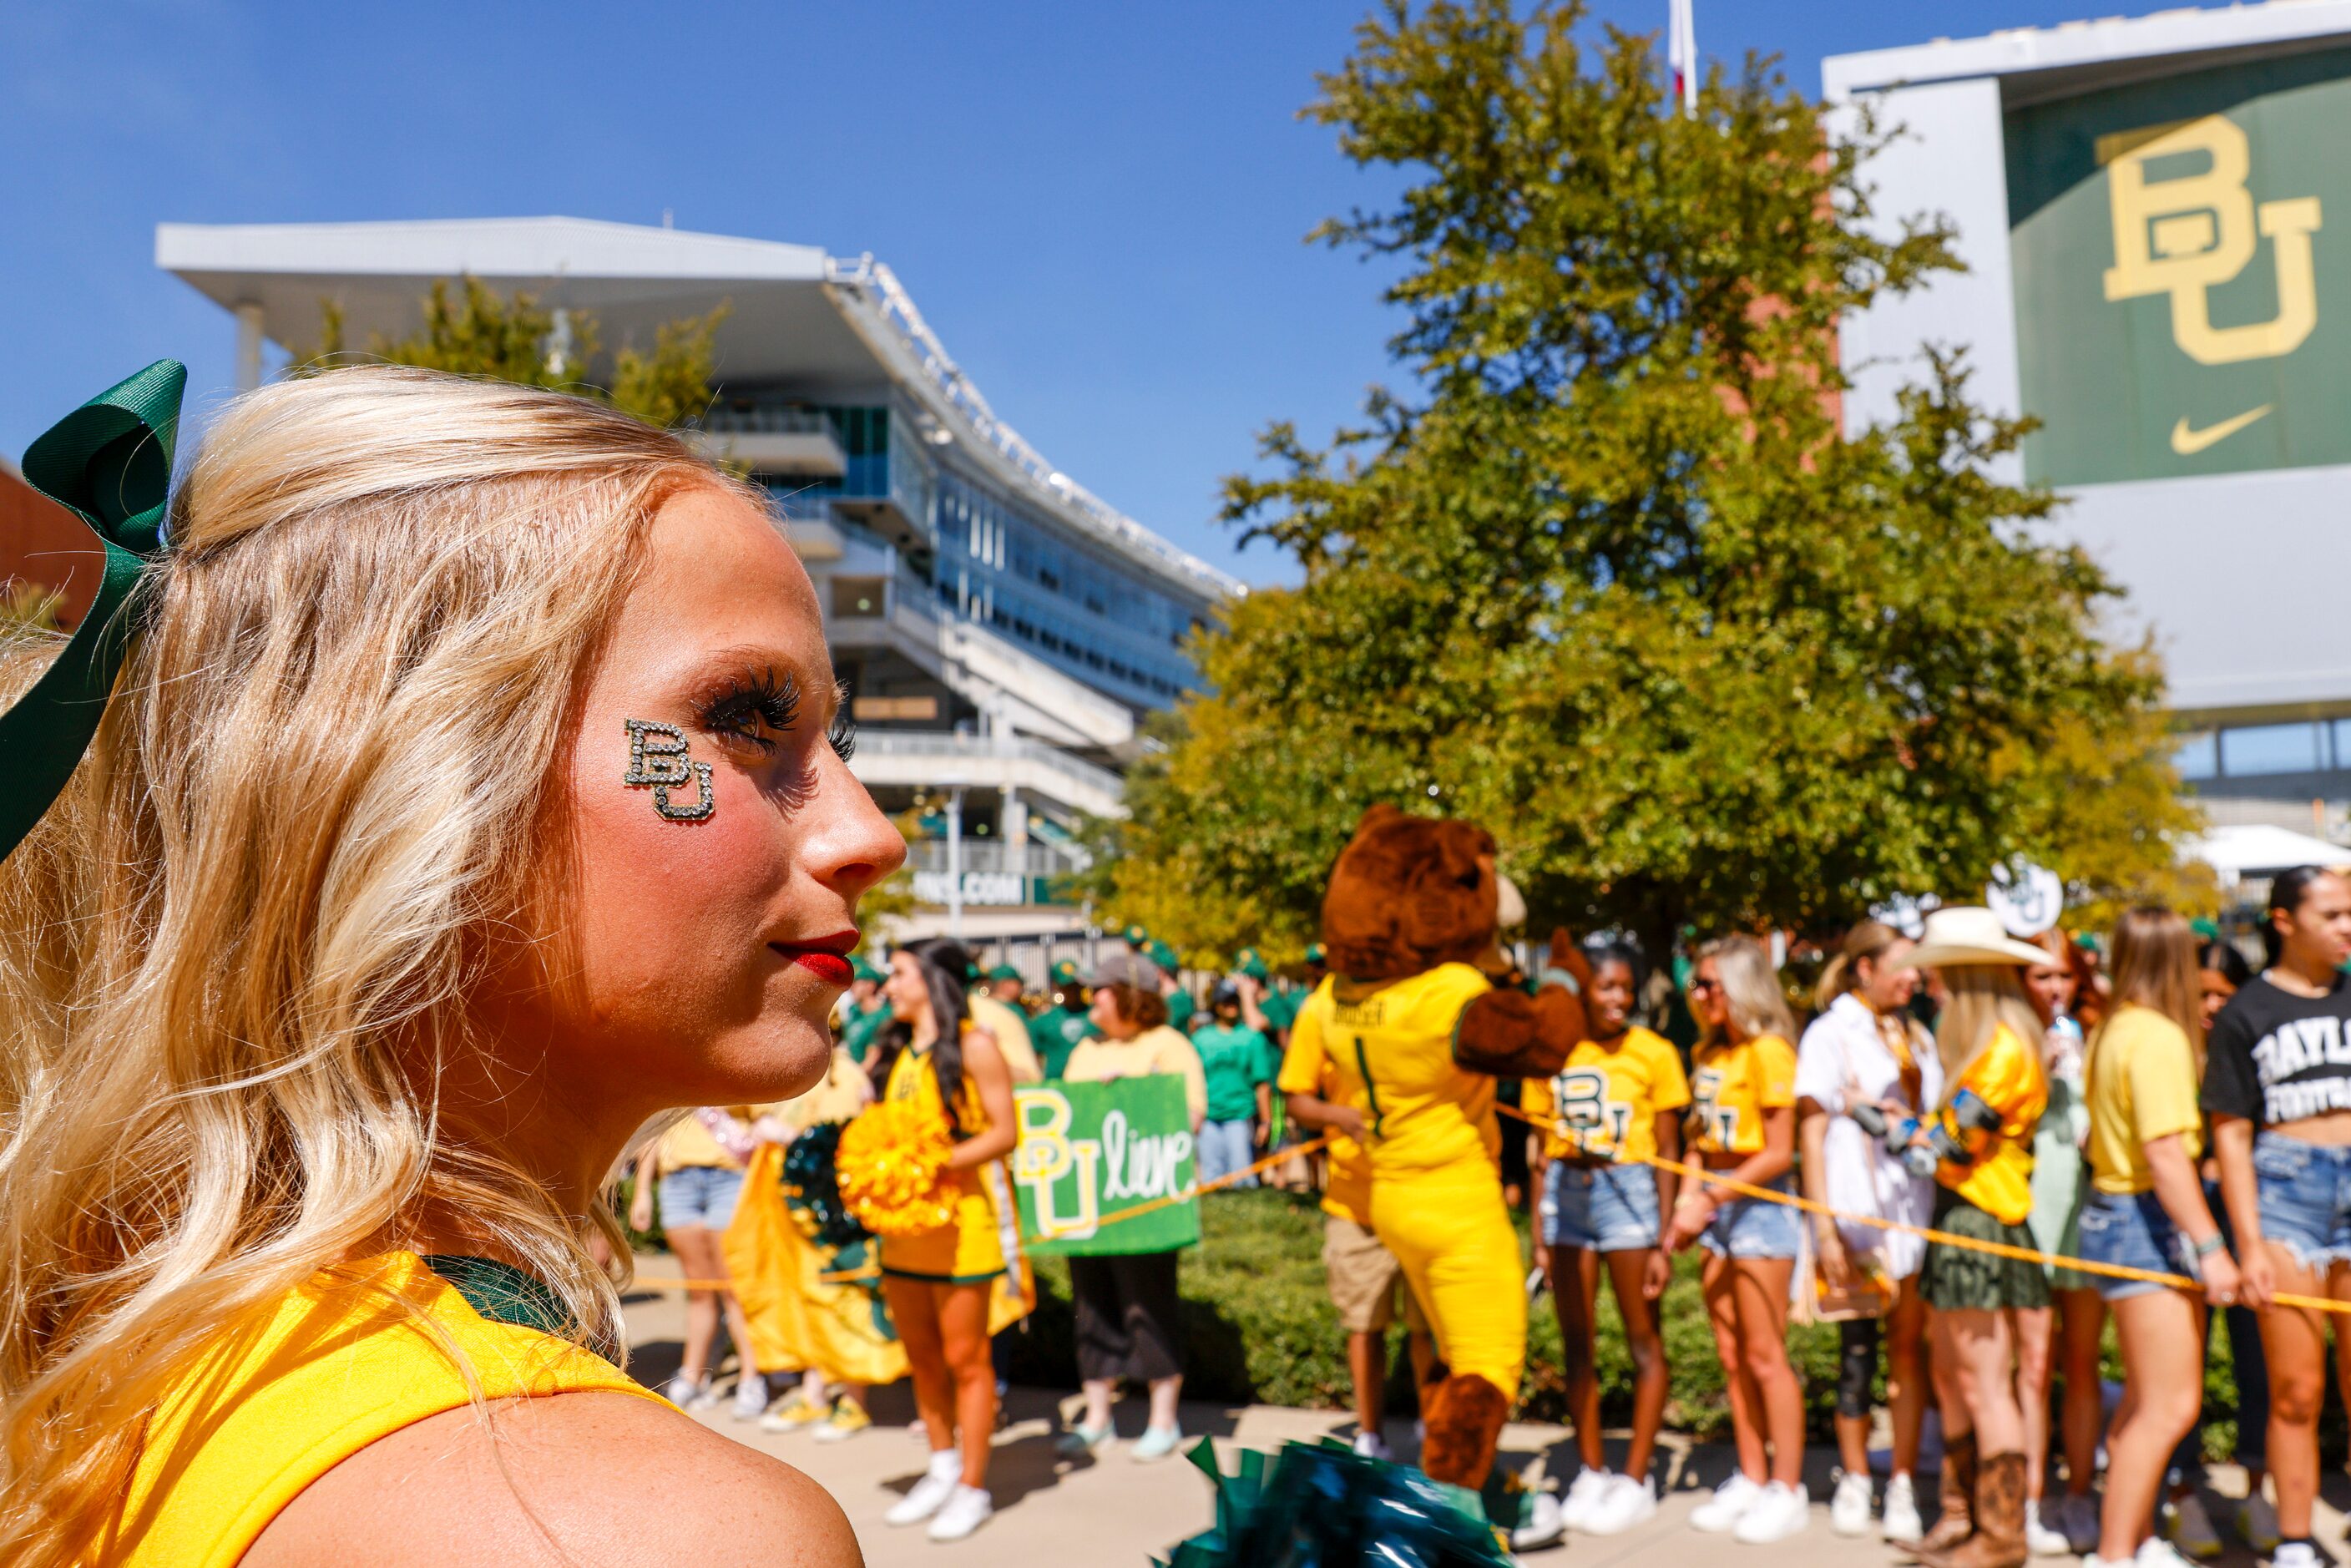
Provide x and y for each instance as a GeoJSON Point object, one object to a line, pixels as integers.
{"type": "Point", "coordinates": [1843, 1058]}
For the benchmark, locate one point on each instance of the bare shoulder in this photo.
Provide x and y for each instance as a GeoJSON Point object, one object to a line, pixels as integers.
{"type": "Point", "coordinates": [591, 1480]}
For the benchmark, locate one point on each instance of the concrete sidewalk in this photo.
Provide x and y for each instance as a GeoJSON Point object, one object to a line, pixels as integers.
{"type": "Point", "coordinates": [1051, 1510]}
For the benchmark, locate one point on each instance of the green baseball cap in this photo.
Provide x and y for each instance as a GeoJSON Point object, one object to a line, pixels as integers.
{"type": "Point", "coordinates": [1137, 937]}
{"type": "Point", "coordinates": [1165, 956]}
{"type": "Point", "coordinates": [1065, 973]}
{"type": "Point", "coordinates": [2205, 928]}
{"type": "Point", "coordinates": [1004, 972]}
{"type": "Point", "coordinates": [867, 969]}
{"type": "Point", "coordinates": [1248, 962]}
{"type": "Point", "coordinates": [1314, 954]}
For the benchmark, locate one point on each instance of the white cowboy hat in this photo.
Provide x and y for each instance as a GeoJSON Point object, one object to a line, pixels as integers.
{"type": "Point", "coordinates": [1970, 933]}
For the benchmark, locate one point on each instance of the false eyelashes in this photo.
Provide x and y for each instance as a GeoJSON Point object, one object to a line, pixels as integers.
{"type": "Point", "coordinates": [759, 706]}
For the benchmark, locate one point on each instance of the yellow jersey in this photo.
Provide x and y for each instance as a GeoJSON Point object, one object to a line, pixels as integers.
{"type": "Point", "coordinates": [1306, 1070]}
{"type": "Point", "coordinates": [339, 1363]}
{"type": "Point", "coordinates": [1606, 1099]}
{"type": "Point", "coordinates": [2142, 1087]}
{"type": "Point", "coordinates": [2008, 1076]}
{"type": "Point", "coordinates": [1732, 1085]}
{"type": "Point", "coordinates": [1389, 1049]}
{"type": "Point", "coordinates": [1005, 1025]}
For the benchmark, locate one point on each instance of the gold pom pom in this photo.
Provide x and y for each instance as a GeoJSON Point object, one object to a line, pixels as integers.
{"type": "Point", "coordinates": [889, 1164]}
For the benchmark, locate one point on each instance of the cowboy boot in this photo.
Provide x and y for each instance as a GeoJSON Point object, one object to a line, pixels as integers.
{"type": "Point", "coordinates": [1999, 1539]}
{"type": "Point", "coordinates": [1955, 1523]}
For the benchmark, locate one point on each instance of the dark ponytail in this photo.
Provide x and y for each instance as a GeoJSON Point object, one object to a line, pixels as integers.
{"type": "Point", "coordinates": [943, 963]}
{"type": "Point", "coordinates": [2287, 890]}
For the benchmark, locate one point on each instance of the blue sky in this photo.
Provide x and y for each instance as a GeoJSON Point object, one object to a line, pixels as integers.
{"type": "Point", "coordinates": [1098, 207]}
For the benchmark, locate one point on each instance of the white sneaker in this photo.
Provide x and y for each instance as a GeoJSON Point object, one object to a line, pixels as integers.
{"type": "Point", "coordinates": [1587, 1490]}
{"type": "Point", "coordinates": [1626, 1503]}
{"type": "Point", "coordinates": [1370, 1446]}
{"type": "Point", "coordinates": [750, 1396]}
{"type": "Point", "coordinates": [2256, 1524]}
{"type": "Point", "coordinates": [1779, 1511]}
{"type": "Point", "coordinates": [1546, 1523]}
{"type": "Point", "coordinates": [930, 1494]}
{"type": "Point", "coordinates": [2039, 1539]}
{"type": "Point", "coordinates": [962, 1513]}
{"type": "Point", "coordinates": [1898, 1522]}
{"type": "Point", "coordinates": [1720, 1513]}
{"type": "Point", "coordinates": [2077, 1516]}
{"type": "Point", "coordinates": [2296, 1554]}
{"type": "Point", "coordinates": [2191, 1528]}
{"type": "Point", "coordinates": [1849, 1505]}
{"type": "Point", "coordinates": [2154, 1552]}
{"type": "Point", "coordinates": [2091, 1560]}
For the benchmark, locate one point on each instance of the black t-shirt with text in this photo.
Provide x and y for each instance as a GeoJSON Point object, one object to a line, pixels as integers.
{"type": "Point", "coordinates": [2274, 1057]}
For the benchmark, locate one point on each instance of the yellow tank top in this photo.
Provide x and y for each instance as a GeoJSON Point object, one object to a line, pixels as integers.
{"type": "Point", "coordinates": [340, 1362]}
{"type": "Point", "coordinates": [977, 1244]}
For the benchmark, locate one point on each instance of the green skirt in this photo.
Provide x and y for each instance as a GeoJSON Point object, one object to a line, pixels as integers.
{"type": "Point", "coordinates": [1959, 1279]}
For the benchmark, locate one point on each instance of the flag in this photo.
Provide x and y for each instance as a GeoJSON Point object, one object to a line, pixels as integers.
{"type": "Point", "coordinates": [1681, 53]}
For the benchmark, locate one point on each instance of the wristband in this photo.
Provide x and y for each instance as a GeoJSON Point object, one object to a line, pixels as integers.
{"type": "Point", "coordinates": [2209, 1245]}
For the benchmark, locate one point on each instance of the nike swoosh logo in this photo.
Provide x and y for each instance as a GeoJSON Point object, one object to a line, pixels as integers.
{"type": "Point", "coordinates": [2189, 442]}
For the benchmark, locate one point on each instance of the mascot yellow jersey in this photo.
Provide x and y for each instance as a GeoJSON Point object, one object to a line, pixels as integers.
{"type": "Point", "coordinates": [1606, 1101]}
{"type": "Point", "coordinates": [280, 1402]}
{"type": "Point", "coordinates": [1431, 1148]}
{"type": "Point", "coordinates": [2008, 1076]}
{"type": "Point", "coordinates": [1390, 1050]}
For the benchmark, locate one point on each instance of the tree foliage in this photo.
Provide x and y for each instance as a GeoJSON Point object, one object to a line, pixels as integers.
{"type": "Point", "coordinates": [479, 333]}
{"type": "Point", "coordinates": [1608, 576]}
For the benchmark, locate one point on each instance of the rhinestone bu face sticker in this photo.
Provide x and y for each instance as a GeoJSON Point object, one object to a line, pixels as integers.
{"type": "Point", "coordinates": [657, 757]}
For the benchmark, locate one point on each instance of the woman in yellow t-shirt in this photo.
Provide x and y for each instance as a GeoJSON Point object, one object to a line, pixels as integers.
{"type": "Point", "coordinates": [468, 796]}
{"type": "Point", "coordinates": [1979, 1144]}
{"type": "Point", "coordinates": [1743, 1124]}
{"type": "Point", "coordinates": [698, 1166]}
{"type": "Point", "coordinates": [1616, 1105]}
{"type": "Point", "coordinates": [938, 1281]}
{"type": "Point", "coordinates": [2146, 1210]}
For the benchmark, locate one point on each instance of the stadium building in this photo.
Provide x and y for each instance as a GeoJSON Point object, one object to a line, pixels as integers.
{"type": "Point", "coordinates": [2155, 219]}
{"type": "Point", "coordinates": [1001, 629]}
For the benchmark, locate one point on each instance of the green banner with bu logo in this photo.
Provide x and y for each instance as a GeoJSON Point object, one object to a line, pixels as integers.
{"type": "Point", "coordinates": [1091, 1152]}
{"type": "Point", "coordinates": [2183, 253]}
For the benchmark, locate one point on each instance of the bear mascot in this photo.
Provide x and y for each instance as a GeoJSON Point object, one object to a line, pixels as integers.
{"type": "Point", "coordinates": [1412, 1033]}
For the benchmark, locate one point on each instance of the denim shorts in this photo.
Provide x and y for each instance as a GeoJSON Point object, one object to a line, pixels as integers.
{"type": "Point", "coordinates": [1608, 1209]}
{"type": "Point", "coordinates": [2306, 1198]}
{"type": "Point", "coordinates": [700, 1195]}
{"type": "Point", "coordinates": [1752, 1228]}
{"type": "Point", "coordinates": [2131, 1230]}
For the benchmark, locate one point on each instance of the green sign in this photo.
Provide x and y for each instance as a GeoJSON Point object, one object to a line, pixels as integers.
{"type": "Point", "coordinates": [2183, 306]}
{"type": "Point", "coordinates": [1090, 1152]}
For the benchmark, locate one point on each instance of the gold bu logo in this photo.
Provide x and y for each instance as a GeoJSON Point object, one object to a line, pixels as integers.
{"type": "Point", "coordinates": [2184, 234]}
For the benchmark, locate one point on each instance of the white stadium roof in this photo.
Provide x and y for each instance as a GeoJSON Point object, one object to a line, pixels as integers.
{"type": "Point", "coordinates": [823, 323]}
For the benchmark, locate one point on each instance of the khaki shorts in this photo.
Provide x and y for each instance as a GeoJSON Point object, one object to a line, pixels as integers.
{"type": "Point", "coordinates": [1365, 1279]}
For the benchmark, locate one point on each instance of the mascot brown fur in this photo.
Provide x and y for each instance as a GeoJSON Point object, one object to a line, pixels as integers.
{"type": "Point", "coordinates": [1407, 895]}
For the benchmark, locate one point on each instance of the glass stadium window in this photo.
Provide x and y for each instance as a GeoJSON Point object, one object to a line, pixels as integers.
{"type": "Point", "coordinates": [2260, 749]}
{"type": "Point", "coordinates": [856, 598]}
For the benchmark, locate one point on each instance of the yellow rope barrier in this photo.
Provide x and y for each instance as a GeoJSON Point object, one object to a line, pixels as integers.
{"type": "Point", "coordinates": [1693, 1171]}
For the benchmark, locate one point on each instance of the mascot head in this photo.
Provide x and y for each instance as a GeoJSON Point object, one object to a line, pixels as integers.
{"type": "Point", "coordinates": [1409, 893]}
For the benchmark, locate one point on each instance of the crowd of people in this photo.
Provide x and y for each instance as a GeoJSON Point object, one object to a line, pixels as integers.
{"type": "Point", "coordinates": [2137, 1099]}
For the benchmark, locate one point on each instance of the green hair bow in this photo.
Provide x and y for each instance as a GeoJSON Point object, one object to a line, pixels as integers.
{"type": "Point", "coordinates": [109, 463]}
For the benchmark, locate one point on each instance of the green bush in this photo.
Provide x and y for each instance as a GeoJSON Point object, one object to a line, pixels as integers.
{"type": "Point", "coordinates": [1259, 1329]}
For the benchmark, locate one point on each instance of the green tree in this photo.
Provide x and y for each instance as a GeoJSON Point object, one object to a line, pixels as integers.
{"type": "Point", "coordinates": [1607, 575]}
{"type": "Point", "coordinates": [479, 333]}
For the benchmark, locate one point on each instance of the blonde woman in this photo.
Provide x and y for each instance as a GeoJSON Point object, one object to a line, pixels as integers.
{"type": "Point", "coordinates": [2146, 1210]}
{"type": "Point", "coordinates": [1864, 1064]}
{"type": "Point", "coordinates": [469, 796]}
{"type": "Point", "coordinates": [1978, 1147]}
{"type": "Point", "coordinates": [1743, 1120]}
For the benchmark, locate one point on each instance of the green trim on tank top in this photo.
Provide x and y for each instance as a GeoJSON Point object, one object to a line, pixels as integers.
{"type": "Point", "coordinates": [502, 1293]}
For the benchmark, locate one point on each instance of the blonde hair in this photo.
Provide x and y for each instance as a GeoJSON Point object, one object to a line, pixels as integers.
{"type": "Point", "coordinates": [1981, 998]}
{"type": "Point", "coordinates": [2155, 967]}
{"type": "Point", "coordinates": [1869, 941]}
{"type": "Point", "coordinates": [1750, 987]}
{"type": "Point", "coordinates": [236, 956]}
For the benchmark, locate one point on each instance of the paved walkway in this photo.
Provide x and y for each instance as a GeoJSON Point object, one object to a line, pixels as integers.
{"type": "Point", "coordinates": [1114, 1512]}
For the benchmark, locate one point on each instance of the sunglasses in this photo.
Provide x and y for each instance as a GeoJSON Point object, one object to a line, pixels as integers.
{"type": "Point", "coordinates": [1698, 985]}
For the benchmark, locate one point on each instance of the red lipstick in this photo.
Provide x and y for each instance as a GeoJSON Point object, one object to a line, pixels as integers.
{"type": "Point", "coordinates": [823, 956]}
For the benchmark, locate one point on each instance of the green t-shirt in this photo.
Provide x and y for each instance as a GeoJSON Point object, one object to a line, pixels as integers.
{"type": "Point", "coordinates": [1235, 1059]}
{"type": "Point", "coordinates": [1280, 1008]}
{"type": "Point", "coordinates": [858, 1032]}
{"type": "Point", "coordinates": [1055, 1032]}
{"type": "Point", "coordinates": [1180, 1008]}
